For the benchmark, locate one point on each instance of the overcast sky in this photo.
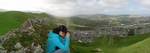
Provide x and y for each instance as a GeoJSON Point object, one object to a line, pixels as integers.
{"type": "Point", "coordinates": [77, 7]}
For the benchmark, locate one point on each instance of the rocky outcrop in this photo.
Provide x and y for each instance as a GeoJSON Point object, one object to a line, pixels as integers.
{"type": "Point", "coordinates": [31, 37]}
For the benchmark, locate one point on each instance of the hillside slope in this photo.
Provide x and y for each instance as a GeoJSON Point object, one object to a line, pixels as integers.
{"type": "Point", "coordinates": [140, 47]}
{"type": "Point", "coordinates": [13, 19]}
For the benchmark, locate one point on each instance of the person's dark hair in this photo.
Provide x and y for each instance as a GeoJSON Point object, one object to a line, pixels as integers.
{"type": "Point", "coordinates": [60, 28]}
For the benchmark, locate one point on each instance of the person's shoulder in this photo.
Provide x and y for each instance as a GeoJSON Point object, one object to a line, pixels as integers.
{"type": "Point", "coordinates": [52, 35]}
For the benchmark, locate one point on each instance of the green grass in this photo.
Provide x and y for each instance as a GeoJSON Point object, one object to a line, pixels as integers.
{"type": "Point", "coordinates": [12, 19]}
{"type": "Point", "coordinates": [140, 47]}
{"type": "Point", "coordinates": [131, 44]}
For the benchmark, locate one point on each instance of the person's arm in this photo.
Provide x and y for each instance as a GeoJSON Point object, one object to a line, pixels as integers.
{"type": "Point", "coordinates": [67, 39]}
{"type": "Point", "coordinates": [60, 45]}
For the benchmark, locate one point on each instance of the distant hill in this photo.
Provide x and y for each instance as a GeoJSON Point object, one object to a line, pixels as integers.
{"type": "Point", "coordinates": [100, 16]}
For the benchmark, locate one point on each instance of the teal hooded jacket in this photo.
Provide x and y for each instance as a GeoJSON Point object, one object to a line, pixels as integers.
{"type": "Point", "coordinates": [54, 40]}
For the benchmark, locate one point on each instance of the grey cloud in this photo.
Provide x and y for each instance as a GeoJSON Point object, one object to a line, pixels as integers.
{"type": "Point", "coordinates": [75, 7]}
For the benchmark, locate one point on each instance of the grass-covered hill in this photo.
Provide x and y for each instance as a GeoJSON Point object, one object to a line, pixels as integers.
{"type": "Point", "coordinates": [13, 19]}
{"type": "Point", "coordinates": [25, 28]}
{"type": "Point", "coordinates": [140, 47]}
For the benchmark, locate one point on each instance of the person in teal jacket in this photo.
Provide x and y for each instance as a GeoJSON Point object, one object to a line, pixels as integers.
{"type": "Point", "coordinates": [59, 40]}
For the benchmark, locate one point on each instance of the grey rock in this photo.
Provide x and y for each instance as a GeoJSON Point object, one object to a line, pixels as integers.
{"type": "Point", "coordinates": [12, 52]}
{"type": "Point", "coordinates": [3, 51]}
{"type": "Point", "coordinates": [21, 51]}
{"type": "Point", "coordinates": [18, 46]}
{"type": "Point", "coordinates": [38, 49]}
{"type": "Point", "coordinates": [97, 50]}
